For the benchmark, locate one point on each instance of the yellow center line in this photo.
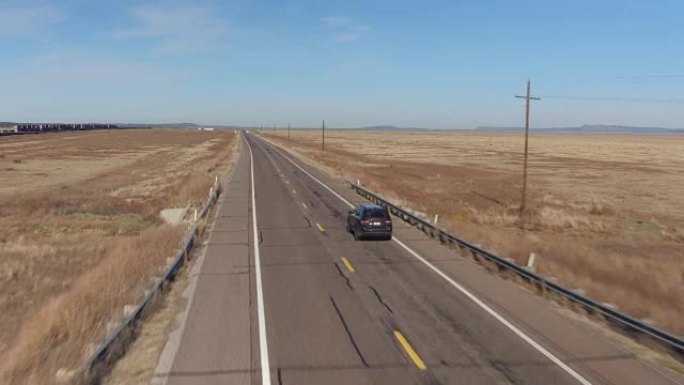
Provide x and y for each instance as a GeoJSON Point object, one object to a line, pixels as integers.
{"type": "Point", "coordinates": [348, 265]}
{"type": "Point", "coordinates": [320, 228]}
{"type": "Point", "coordinates": [409, 350]}
{"type": "Point", "coordinates": [304, 205]}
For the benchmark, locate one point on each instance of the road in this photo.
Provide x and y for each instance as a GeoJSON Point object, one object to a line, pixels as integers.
{"type": "Point", "coordinates": [284, 295]}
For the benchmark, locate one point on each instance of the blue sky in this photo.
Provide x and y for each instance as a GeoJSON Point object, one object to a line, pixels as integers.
{"type": "Point", "coordinates": [436, 64]}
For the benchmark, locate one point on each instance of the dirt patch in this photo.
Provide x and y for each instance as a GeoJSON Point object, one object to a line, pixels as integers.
{"type": "Point", "coordinates": [605, 212]}
{"type": "Point", "coordinates": [82, 241]}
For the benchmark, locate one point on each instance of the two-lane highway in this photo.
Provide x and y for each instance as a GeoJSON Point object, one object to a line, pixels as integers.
{"type": "Point", "coordinates": [326, 309]}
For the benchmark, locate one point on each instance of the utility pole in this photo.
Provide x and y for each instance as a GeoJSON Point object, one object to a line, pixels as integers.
{"type": "Point", "coordinates": [323, 137]}
{"type": "Point", "coordinates": [288, 131]}
{"type": "Point", "coordinates": [527, 98]}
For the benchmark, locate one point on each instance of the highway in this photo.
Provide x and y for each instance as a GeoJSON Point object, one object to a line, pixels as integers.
{"type": "Point", "coordinates": [284, 295]}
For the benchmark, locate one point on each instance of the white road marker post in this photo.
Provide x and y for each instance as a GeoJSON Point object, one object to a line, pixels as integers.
{"type": "Point", "coordinates": [530, 261]}
{"type": "Point", "coordinates": [436, 219]}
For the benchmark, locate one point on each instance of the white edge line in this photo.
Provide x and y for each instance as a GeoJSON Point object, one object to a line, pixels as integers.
{"type": "Point", "coordinates": [167, 357]}
{"type": "Point", "coordinates": [467, 293]}
{"type": "Point", "coordinates": [263, 344]}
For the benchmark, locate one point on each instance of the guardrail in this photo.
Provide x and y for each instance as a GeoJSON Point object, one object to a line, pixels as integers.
{"type": "Point", "coordinates": [115, 344]}
{"type": "Point", "coordinates": [672, 343]}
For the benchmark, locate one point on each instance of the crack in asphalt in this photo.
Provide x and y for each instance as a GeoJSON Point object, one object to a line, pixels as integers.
{"type": "Point", "coordinates": [349, 334]}
{"type": "Point", "coordinates": [344, 276]}
{"type": "Point", "coordinates": [377, 295]}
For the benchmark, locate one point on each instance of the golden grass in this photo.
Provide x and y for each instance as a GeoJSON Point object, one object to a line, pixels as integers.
{"type": "Point", "coordinates": [605, 212]}
{"type": "Point", "coordinates": [58, 334]}
{"type": "Point", "coordinates": [83, 241]}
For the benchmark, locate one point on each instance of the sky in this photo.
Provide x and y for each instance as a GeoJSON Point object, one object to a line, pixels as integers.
{"type": "Point", "coordinates": [433, 64]}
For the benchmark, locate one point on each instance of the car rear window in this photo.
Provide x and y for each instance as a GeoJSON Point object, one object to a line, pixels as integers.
{"type": "Point", "coordinates": [375, 213]}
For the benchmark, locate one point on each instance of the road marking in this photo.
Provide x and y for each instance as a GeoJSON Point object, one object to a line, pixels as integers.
{"type": "Point", "coordinates": [320, 228]}
{"type": "Point", "coordinates": [263, 344]}
{"type": "Point", "coordinates": [348, 265]}
{"type": "Point", "coordinates": [304, 204]}
{"type": "Point", "coordinates": [409, 350]}
{"type": "Point", "coordinates": [567, 369]}
{"type": "Point", "coordinates": [294, 191]}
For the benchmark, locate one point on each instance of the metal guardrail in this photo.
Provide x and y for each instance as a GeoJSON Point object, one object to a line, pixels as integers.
{"type": "Point", "coordinates": [114, 345]}
{"type": "Point", "coordinates": [628, 324]}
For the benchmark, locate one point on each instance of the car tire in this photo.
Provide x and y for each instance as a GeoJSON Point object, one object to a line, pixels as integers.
{"type": "Point", "coordinates": [356, 236]}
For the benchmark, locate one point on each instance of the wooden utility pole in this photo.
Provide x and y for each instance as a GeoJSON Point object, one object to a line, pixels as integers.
{"type": "Point", "coordinates": [323, 137]}
{"type": "Point", "coordinates": [288, 131]}
{"type": "Point", "coordinates": [527, 98]}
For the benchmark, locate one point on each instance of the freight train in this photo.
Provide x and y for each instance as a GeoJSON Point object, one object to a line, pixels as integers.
{"type": "Point", "coordinates": [52, 127]}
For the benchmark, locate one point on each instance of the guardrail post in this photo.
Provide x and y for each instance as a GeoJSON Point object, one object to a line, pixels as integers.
{"type": "Point", "coordinates": [503, 269]}
{"type": "Point", "coordinates": [475, 255]}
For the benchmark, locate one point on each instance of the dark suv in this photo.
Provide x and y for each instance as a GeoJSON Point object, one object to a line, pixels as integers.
{"type": "Point", "coordinates": [369, 221]}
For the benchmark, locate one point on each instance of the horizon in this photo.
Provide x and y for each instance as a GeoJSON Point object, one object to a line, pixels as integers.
{"type": "Point", "coordinates": [444, 66]}
{"type": "Point", "coordinates": [387, 127]}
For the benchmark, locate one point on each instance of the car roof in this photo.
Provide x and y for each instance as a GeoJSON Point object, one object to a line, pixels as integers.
{"type": "Point", "coordinates": [371, 206]}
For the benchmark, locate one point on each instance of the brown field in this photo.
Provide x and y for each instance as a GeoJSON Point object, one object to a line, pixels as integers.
{"type": "Point", "coordinates": [606, 212]}
{"type": "Point", "coordinates": [80, 233]}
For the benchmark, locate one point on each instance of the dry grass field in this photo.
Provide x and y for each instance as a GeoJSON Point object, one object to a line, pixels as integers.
{"type": "Point", "coordinates": [81, 236]}
{"type": "Point", "coordinates": [606, 213]}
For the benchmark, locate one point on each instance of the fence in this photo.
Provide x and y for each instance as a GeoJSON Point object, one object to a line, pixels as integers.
{"type": "Point", "coordinates": [672, 343]}
{"type": "Point", "coordinates": [115, 344]}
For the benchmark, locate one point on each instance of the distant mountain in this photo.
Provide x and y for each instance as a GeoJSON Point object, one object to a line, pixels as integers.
{"type": "Point", "coordinates": [589, 128]}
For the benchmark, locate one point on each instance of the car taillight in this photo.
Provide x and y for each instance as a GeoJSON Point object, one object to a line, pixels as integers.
{"type": "Point", "coordinates": [366, 223]}
{"type": "Point", "coordinates": [388, 222]}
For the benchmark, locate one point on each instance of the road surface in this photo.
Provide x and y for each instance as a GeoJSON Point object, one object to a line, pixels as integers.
{"type": "Point", "coordinates": [284, 295]}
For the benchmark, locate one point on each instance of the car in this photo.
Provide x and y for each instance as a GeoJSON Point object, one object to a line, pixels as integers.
{"type": "Point", "coordinates": [369, 221]}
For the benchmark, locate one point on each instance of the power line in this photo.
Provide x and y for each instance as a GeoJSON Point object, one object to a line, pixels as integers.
{"type": "Point", "coordinates": [617, 99]}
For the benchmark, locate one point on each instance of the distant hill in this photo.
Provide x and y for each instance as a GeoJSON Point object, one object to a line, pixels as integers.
{"type": "Point", "coordinates": [590, 128]}
{"type": "Point", "coordinates": [389, 128]}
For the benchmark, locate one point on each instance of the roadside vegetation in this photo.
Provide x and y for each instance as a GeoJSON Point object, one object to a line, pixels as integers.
{"type": "Point", "coordinates": [81, 235]}
{"type": "Point", "coordinates": [605, 211]}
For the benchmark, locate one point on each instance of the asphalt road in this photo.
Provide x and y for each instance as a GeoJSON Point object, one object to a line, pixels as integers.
{"type": "Point", "coordinates": [285, 295]}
